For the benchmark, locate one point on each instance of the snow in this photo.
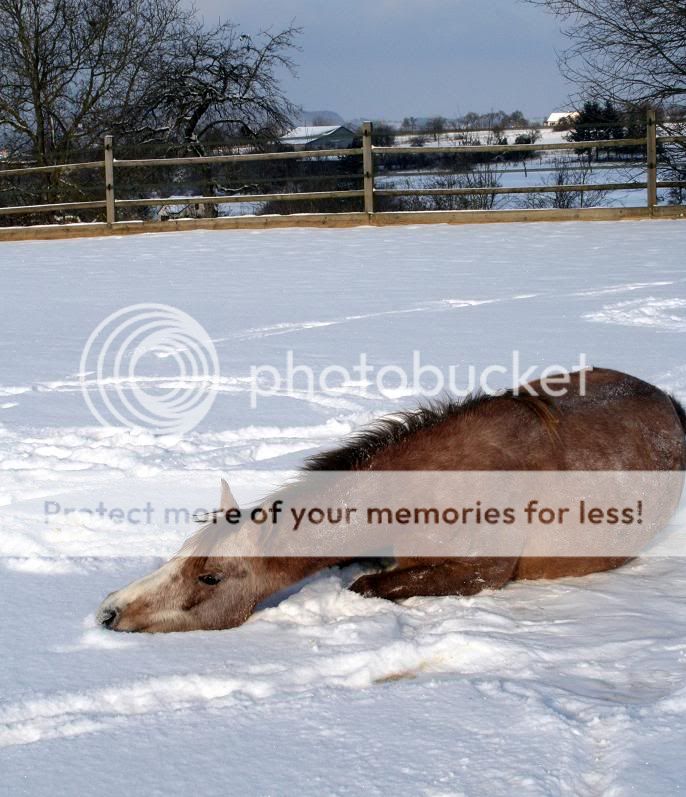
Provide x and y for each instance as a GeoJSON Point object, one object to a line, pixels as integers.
{"type": "Point", "coordinates": [574, 687]}
{"type": "Point", "coordinates": [300, 136]}
{"type": "Point", "coordinates": [310, 132]}
{"type": "Point", "coordinates": [558, 116]}
{"type": "Point", "coordinates": [540, 170]}
{"type": "Point", "coordinates": [547, 136]}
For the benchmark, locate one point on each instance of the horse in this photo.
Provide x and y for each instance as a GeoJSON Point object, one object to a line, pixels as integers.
{"type": "Point", "coordinates": [605, 420]}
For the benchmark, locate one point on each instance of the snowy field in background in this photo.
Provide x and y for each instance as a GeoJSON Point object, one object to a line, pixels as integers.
{"type": "Point", "coordinates": [541, 170]}
{"type": "Point", "coordinates": [573, 687]}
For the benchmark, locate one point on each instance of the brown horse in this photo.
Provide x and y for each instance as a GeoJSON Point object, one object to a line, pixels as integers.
{"type": "Point", "coordinates": [615, 423]}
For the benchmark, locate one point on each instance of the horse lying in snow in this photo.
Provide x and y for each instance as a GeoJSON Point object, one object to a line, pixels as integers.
{"type": "Point", "coordinates": [618, 423]}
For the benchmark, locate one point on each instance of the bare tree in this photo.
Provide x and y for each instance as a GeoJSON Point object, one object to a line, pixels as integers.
{"type": "Point", "coordinates": [632, 51]}
{"type": "Point", "coordinates": [218, 82]}
{"type": "Point", "coordinates": [481, 178]}
{"type": "Point", "coordinates": [146, 70]}
{"type": "Point", "coordinates": [567, 173]}
{"type": "Point", "coordinates": [437, 125]}
{"type": "Point", "coordinates": [68, 66]}
{"type": "Point", "coordinates": [71, 70]}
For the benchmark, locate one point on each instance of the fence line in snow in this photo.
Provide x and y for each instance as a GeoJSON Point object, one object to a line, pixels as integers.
{"type": "Point", "coordinates": [369, 192]}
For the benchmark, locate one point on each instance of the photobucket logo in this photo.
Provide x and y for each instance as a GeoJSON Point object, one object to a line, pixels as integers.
{"type": "Point", "coordinates": [425, 379]}
{"type": "Point", "coordinates": [149, 366]}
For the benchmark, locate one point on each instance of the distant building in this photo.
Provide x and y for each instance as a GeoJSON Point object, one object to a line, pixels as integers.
{"type": "Point", "coordinates": [319, 137]}
{"type": "Point", "coordinates": [561, 117]}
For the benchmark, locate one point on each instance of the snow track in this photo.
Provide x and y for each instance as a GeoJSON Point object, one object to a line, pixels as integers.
{"type": "Point", "coordinates": [573, 687]}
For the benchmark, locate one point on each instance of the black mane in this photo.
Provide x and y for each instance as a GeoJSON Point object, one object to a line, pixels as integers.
{"type": "Point", "coordinates": [361, 446]}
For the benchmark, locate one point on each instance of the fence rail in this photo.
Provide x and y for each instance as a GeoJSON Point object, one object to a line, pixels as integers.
{"type": "Point", "coordinates": [244, 158]}
{"type": "Point", "coordinates": [248, 198]}
{"type": "Point", "coordinates": [504, 148]}
{"type": "Point", "coordinates": [57, 167]}
{"type": "Point", "coordinates": [494, 190]}
{"type": "Point", "coordinates": [370, 190]}
{"type": "Point", "coordinates": [47, 207]}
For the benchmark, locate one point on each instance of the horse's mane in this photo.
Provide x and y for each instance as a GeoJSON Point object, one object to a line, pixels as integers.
{"type": "Point", "coordinates": [360, 447]}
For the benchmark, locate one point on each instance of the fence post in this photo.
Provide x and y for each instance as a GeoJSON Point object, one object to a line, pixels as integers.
{"type": "Point", "coordinates": [651, 157]}
{"type": "Point", "coordinates": [368, 167]}
{"type": "Point", "coordinates": [109, 181]}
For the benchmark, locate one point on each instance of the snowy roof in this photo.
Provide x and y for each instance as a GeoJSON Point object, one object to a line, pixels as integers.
{"type": "Point", "coordinates": [302, 135]}
{"type": "Point", "coordinates": [559, 115]}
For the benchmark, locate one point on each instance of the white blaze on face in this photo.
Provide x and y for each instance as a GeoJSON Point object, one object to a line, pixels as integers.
{"type": "Point", "coordinates": [161, 600]}
{"type": "Point", "coordinates": [150, 591]}
{"type": "Point", "coordinates": [147, 586]}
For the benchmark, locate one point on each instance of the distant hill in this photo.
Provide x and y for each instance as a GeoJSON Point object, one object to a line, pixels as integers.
{"type": "Point", "coordinates": [312, 118]}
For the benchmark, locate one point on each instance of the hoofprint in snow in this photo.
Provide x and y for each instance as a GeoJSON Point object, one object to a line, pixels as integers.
{"type": "Point", "coordinates": [569, 687]}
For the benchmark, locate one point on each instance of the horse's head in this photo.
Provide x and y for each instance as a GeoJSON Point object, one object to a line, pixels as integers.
{"type": "Point", "coordinates": [197, 589]}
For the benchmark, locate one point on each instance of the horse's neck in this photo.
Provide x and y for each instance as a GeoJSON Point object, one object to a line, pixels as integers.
{"type": "Point", "coordinates": [282, 572]}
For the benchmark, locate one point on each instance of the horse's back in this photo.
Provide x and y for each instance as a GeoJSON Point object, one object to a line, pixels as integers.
{"type": "Point", "coordinates": [603, 420]}
{"type": "Point", "coordinates": [611, 421]}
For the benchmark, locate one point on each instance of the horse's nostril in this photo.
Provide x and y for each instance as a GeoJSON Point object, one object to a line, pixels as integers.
{"type": "Point", "coordinates": [107, 616]}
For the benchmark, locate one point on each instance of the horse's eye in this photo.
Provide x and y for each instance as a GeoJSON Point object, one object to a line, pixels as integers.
{"type": "Point", "coordinates": [210, 579]}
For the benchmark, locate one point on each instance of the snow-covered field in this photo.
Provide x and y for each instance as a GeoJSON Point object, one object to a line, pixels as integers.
{"type": "Point", "coordinates": [541, 170]}
{"type": "Point", "coordinates": [547, 136]}
{"type": "Point", "coordinates": [573, 687]}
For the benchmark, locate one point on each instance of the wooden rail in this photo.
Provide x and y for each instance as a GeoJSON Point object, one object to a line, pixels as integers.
{"type": "Point", "coordinates": [15, 211]}
{"type": "Point", "coordinates": [339, 220]}
{"type": "Point", "coordinates": [245, 158]}
{"type": "Point", "coordinates": [481, 191]}
{"type": "Point", "coordinates": [57, 167]}
{"type": "Point", "coordinates": [368, 191]}
{"type": "Point", "coordinates": [504, 148]}
{"type": "Point", "coordinates": [111, 210]}
{"type": "Point", "coordinates": [368, 167]}
{"type": "Point", "coordinates": [597, 167]}
{"type": "Point", "coordinates": [651, 153]}
{"type": "Point", "coordinates": [220, 200]}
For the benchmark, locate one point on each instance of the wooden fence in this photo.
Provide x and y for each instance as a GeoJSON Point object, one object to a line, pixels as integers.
{"type": "Point", "coordinates": [370, 154]}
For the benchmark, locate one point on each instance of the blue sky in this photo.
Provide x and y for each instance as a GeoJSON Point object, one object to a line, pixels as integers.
{"type": "Point", "coordinates": [395, 58]}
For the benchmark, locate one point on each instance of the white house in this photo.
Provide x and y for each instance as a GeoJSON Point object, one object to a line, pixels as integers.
{"type": "Point", "coordinates": [319, 137]}
{"type": "Point", "coordinates": [560, 116]}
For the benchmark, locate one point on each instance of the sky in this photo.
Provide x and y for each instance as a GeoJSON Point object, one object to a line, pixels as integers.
{"type": "Point", "coordinates": [388, 59]}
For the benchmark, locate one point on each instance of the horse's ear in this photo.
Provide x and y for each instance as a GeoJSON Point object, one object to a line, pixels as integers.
{"type": "Point", "coordinates": [226, 499]}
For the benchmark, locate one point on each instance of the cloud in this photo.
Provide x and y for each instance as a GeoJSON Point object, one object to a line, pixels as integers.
{"type": "Point", "coordinates": [393, 58]}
